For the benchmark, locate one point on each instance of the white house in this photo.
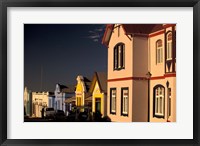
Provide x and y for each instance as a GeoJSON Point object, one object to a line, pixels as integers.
{"type": "Point", "coordinates": [27, 102]}
{"type": "Point", "coordinates": [39, 101]}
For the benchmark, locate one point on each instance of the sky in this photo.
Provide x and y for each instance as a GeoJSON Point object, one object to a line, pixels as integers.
{"type": "Point", "coordinates": [58, 53]}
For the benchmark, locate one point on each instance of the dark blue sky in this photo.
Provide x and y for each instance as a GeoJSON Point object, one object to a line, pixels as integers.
{"type": "Point", "coordinates": [63, 51]}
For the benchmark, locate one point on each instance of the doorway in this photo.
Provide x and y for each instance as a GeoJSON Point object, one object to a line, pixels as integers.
{"type": "Point", "coordinates": [98, 104]}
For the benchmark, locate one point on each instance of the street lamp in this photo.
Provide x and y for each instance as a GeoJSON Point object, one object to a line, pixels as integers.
{"type": "Point", "coordinates": [167, 84]}
{"type": "Point", "coordinates": [148, 76]}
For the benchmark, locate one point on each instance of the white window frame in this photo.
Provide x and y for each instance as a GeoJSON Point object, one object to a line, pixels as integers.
{"type": "Point", "coordinates": [159, 52]}
{"type": "Point", "coordinates": [113, 100]}
{"type": "Point", "coordinates": [58, 105]}
{"type": "Point", "coordinates": [159, 101]}
{"type": "Point", "coordinates": [119, 60]}
{"type": "Point", "coordinates": [169, 47]}
{"type": "Point", "coordinates": [124, 101]}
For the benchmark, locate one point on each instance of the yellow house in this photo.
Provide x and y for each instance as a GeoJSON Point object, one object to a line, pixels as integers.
{"type": "Point", "coordinates": [98, 89]}
{"type": "Point", "coordinates": [82, 89]}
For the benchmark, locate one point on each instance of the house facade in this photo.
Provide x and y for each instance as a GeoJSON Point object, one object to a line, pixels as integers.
{"type": "Point", "coordinates": [141, 80]}
{"type": "Point", "coordinates": [98, 89]}
{"type": "Point", "coordinates": [39, 100]}
{"type": "Point", "coordinates": [27, 102]}
{"type": "Point", "coordinates": [60, 96]}
{"type": "Point", "coordinates": [51, 100]}
{"type": "Point", "coordinates": [163, 70]}
{"type": "Point", "coordinates": [82, 91]}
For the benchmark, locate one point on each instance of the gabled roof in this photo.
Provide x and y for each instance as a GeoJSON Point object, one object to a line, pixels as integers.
{"type": "Point", "coordinates": [62, 86]}
{"type": "Point", "coordinates": [51, 93]}
{"type": "Point", "coordinates": [145, 29]}
{"type": "Point", "coordinates": [86, 81]}
{"type": "Point", "coordinates": [101, 78]}
{"type": "Point", "coordinates": [71, 99]}
{"type": "Point", "coordinates": [70, 88]}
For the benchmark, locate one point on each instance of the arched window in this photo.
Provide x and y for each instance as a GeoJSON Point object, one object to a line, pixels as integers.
{"type": "Point", "coordinates": [159, 52]}
{"type": "Point", "coordinates": [119, 56]}
{"type": "Point", "coordinates": [169, 46]}
{"type": "Point", "coordinates": [159, 100]}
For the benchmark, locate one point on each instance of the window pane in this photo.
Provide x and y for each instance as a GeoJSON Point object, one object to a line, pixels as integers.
{"type": "Point", "coordinates": [156, 105]}
{"type": "Point", "coordinates": [113, 100]}
{"type": "Point", "coordinates": [159, 101]}
{"type": "Point", "coordinates": [119, 56]}
{"type": "Point", "coordinates": [123, 56]}
{"type": "Point", "coordinates": [171, 50]}
{"type": "Point", "coordinates": [115, 58]}
{"type": "Point", "coordinates": [167, 50]}
{"type": "Point", "coordinates": [161, 105]}
{"type": "Point", "coordinates": [124, 101]}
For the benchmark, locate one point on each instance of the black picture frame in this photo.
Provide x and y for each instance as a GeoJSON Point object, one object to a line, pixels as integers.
{"type": "Point", "coordinates": [4, 4]}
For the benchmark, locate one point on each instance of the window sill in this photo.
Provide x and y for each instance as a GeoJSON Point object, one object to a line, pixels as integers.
{"type": "Point", "coordinates": [124, 115]}
{"type": "Point", "coordinates": [169, 59]}
{"type": "Point", "coordinates": [161, 63]}
{"type": "Point", "coordinates": [158, 116]}
{"type": "Point", "coordinates": [118, 69]}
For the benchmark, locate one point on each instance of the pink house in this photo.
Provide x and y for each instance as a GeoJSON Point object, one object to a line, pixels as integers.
{"type": "Point", "coordinates": [141, 82]}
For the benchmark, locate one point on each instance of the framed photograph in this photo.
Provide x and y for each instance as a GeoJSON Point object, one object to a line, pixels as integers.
{"type": "Point", "coordinates": [105, 72]}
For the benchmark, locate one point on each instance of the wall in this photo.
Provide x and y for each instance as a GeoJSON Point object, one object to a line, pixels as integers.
{"type": "Point", "coordinates": [156, 69]}
{"type": "Point", "coordinates": [172, 85]}
{"type": "Point", "coordinates": [97, 94]}
{"type": "Point", "coordinates": [59, 103]}
{"type": "Point", "coordinates": [159, 77]}
{"type": "Point", "coordinates": [28, 102]}
{"type": "Point", "coordinates": [39, 100]}
{"type": "Point", "coordinates": [118, 85]}
{"type": "Point", "coordinates": [115, 39]}
{"type": "Point", "coordinates": [120, 37]}
{"type": "Point", "coordinates": [140, 56]}
{"type": "Point", "coordinates": [140, 101]}
{"type": "Point", "coordinates": [80, 92]}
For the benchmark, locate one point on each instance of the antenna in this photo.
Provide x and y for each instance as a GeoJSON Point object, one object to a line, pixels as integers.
{"type": "Point", "coordinates": [41, 84]}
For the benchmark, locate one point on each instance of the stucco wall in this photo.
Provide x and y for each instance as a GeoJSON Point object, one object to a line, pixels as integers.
{"type": "Point", "coordinates": [140, 56]}
{"type": "Point", "coordinates": [156, 69]}
{"type": "Point", "coordinates": [115, 39]}
{"type": "Point", "coordinates": [40, 97]}
{"type": "Point", "coordinates": [140, 101]}
{"type": "Point", "coordinates": [172, 85]}
{"type": "Point", "coordinates": [28, 101]}
{"type": "Point", "coordinates": [97, 94]}
{"type": "Point", "coordinates": [59, 102]}
{"type": "Point", "coordinates": [118, 85]}
{"type": "Point", "coordinates": [158, 77]}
